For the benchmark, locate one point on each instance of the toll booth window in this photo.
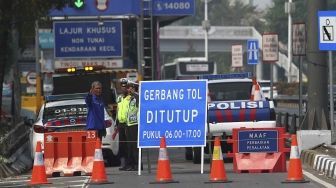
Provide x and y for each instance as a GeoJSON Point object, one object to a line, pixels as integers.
{"type": "Point", "coordinates": [60, 112]}
{"type": "Point", "coordinates": [230, 91]}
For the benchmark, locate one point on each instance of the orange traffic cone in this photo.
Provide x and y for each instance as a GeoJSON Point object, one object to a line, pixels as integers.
{"type": "Point", "coordinates": [217, 172]}
{"type": "Point", "coordinates": [164, 174]}
{"type": "Point", "coordinates": [39, 175]}
{"type": "Point", "coordinates": [295, 169]}
{"type": "Point", "coordinates": [98, 170]}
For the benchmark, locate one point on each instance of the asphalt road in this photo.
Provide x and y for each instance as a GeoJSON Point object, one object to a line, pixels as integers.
{"type": "Point", "coordinates": [185, 172]}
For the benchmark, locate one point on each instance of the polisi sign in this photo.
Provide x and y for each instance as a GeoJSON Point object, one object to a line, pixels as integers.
{"type": "Point", "coordinates": [236, 105]}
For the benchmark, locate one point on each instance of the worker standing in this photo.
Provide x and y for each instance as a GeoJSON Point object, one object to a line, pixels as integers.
{"type": "Point", "coordinates": [132, 126]}
{"type": "Point", "coordinates": [122, 109]}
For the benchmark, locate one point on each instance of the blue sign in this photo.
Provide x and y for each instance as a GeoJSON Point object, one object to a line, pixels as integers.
{"type": "Point", "coordinates": [176, 110]}
{"type": "Point", "coordinates": [101, 8]}
{"type": "Point", "coordinates": [251, 141]}
{"type": "Point", "coordinates": [173, 7]}
{"type": "Point", "coordinates": [252, 52]}
{"type": "Point", "coordinates": [127, 7]}
{"type": "Point", "coordinates": [327, 30]}
{"type": "Point", "coordinates": [88, 39]}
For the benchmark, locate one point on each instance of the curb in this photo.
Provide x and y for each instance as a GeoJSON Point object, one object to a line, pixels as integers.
{"type": "Point", "coordinates": [319, 162]}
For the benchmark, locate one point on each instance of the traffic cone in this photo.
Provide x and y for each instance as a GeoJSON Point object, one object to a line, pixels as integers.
{"type": "Point", "coordinates": [98, 169]}
{"type": "Point", "coordinates": [295, 169]}
{"type": "Point", "coordinates": [164, 174]}
{"type": "Point", "coordinates": [39, 175]}
{"type": "Point", "coordinates": [217, 172]}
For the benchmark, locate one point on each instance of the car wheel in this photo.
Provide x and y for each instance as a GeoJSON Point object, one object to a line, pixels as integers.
{"type": "Point", "coordinates": [188, 153]}
{"type": "Point", "coordinates": [196, 155]}
{"type": "Point", "coordinates": [110, 159]}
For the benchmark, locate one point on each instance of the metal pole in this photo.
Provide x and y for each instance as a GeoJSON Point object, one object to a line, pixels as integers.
{"type": "Point", "coordinates": [289, 43]}
{"type": "Point", "coordinates": [140, 44]}
{"type": "Point", "coordinates": [271, 75]}
{"type": "Point", "coordinates": [300, 90]}
{"type": "Point", "coordinates": [206, 29]}
{"type": "Point", "coordinates": [331, 94]}
{"type": "Point", "coordinates": [37, 69]}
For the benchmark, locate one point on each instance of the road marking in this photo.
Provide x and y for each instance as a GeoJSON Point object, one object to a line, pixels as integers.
{"type": "Point", "coordinates": [13, 181]}
{"type": "Point", "coordinates": [86, 183]}
{"type": "Point", "coordinates": [316, 179]}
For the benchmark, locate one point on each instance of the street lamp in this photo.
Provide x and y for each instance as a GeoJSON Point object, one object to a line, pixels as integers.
{"type": "Point", "coordinates": [289, 9]}
{"type": "Point", "coordinates": [206, 26]}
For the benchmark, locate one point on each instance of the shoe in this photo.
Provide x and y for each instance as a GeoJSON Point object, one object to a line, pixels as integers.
{"type": "Point", "coordinates": [123, 168]}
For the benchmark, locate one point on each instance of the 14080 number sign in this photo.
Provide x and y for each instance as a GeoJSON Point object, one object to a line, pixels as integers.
{"type": "Point", "coordinates": [177, 5]}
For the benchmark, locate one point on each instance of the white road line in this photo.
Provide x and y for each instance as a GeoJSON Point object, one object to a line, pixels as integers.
{"type": "Point", "coordinates": [85, 185]}
{"type": "Point", "coordinates": [74, 181]}
{"type": "Point", "coordinates": [76, 185]}
{"type": "Point", "coordinates": [316, 179]}
{"type": "Point", "coordinates": [13, 181]}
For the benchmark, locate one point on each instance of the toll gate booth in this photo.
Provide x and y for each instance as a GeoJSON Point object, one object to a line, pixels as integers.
{"type": "Point", "coordinates": [135, 45]}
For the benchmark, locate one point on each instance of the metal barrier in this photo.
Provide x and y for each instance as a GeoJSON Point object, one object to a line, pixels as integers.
{"type": "Point", "coordinates": [291, 122]}
{"type": "Point", "coordinates": [69, 153]}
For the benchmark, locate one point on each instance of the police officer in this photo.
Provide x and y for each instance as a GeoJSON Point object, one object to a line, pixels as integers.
{"type": "Point", "coordinates": [132, 126]}
{"type": "Point", "coordinates": [122, 109]}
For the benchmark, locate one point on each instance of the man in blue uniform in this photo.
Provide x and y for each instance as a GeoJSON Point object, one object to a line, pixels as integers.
{"type": "Point", "coordinates": [96, 115]}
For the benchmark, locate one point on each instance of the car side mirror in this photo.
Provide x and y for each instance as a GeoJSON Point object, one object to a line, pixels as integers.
{"type": "Point", "coordinates": [28, 122]}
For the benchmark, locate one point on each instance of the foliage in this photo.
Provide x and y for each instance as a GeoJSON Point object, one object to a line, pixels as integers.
{"type": "Point", "coordinates": [17, 20]}
{"type": "Point", "coordinates": [285, 88]}
{"type": "Point", "coordinates": [277, 19]}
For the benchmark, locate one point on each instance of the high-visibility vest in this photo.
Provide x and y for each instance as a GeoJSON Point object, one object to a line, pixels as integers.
{"type": "Point", "coordinates": [132, 115]}
{"type": "Point", "coordinates": [122, 110]}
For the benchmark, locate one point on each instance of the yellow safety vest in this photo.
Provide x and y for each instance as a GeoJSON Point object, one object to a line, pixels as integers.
{"type": "Point", "coordinates": [122, 110]}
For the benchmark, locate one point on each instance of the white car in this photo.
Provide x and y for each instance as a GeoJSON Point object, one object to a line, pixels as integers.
{"type": "Point", "coordinates": [266, 88]}
{"type": "Point", "coordinates": [67, 113]}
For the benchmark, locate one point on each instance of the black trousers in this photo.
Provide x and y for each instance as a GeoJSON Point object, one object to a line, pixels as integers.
{"type": "Point", "coordinates": [132, 149]}
{"type": "Point", "coordinates": [122, 141]}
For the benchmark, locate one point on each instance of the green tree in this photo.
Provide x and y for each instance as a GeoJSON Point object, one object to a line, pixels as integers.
{"type": "Point", "coordinates": [17, 18]}
{"type": "Point", "coordinates": [277, 19]}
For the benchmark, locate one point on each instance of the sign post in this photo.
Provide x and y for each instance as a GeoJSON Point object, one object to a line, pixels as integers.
{"type": "Point", "coordinates": [253, 53]}
{"type": "Point", "coordinates": [88, 39]}
{"type": "Point", "coordinates": [237, 56]}
{"type": "Point", "coordinates": [327, 41]}
{"type": "Point", "coordinates": [176, 110]}
{"type": "Point", "coordinates": [270, 52]}
{"type": "Point", "coordinates": [299, 49]}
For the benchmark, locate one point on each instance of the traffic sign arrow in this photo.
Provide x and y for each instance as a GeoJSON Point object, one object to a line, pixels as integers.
{"type": "Point", "coordinates": [79, 3]}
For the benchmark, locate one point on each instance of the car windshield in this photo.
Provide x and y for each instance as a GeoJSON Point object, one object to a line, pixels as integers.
{"type": "Point", "coordinates": [61, 112]}
{"type": "Point", "coordinates": [230, 91]}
